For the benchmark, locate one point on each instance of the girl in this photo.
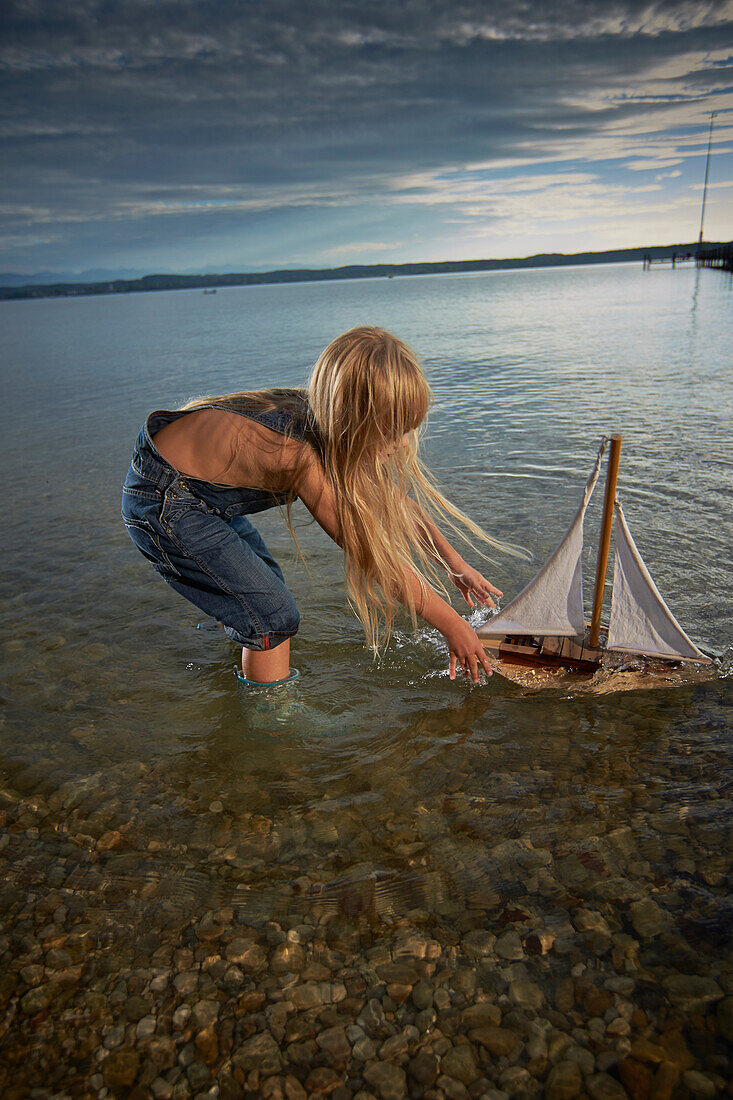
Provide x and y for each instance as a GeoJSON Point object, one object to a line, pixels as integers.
{"type": "Point", "coordinates": [347, 447]}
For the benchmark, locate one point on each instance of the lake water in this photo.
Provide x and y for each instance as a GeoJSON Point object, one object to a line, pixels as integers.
{"type": "Point", "coordinates": [563, 862]}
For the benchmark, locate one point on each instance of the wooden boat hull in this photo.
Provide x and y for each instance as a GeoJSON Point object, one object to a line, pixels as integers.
{"type": "Point", "coordinates": [574, 654]}
{"type": "Point", "coordinates": [570, 665]}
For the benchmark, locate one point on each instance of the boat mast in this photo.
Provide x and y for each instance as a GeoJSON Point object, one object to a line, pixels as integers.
{"type": "Point", "coordinates": [605, 542]}
{"type": "Point", "coordinates": [713, 114]}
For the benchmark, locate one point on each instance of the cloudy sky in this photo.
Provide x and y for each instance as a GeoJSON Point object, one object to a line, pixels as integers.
{"type": "Point", "coordinates": [191, 135]}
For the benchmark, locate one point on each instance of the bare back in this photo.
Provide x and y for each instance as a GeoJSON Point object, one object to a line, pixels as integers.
{"type": "Point", "coordinates": [225, 448]}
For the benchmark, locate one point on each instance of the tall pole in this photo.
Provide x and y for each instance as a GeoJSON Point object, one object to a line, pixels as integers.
{"type": "Point", "coordinates": [713, 114]}
{"type": "Point", "coordinates": [605, 542]}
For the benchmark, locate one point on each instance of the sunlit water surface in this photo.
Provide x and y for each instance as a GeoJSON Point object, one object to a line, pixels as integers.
{"type": "Point", "coordinates": [133, 777]}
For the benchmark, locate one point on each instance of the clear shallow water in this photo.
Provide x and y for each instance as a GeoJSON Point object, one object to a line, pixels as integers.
{"type": "Point", "coordinates": [134, 783]}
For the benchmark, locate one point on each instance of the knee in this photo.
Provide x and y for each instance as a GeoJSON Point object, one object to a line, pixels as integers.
{"type": "Point", "coordinates": [286, 619]}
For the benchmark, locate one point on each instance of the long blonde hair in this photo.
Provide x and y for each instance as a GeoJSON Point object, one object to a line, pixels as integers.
{"type": "Point", "coordinates": [367, 400]}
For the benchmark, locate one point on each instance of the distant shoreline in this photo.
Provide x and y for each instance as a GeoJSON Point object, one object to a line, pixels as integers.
{"type": "Point", "coordinates": [353, 271]}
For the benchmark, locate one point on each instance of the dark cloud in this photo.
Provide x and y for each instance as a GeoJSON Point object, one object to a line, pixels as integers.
{"type": "Point", "coordinates": [117, 112]}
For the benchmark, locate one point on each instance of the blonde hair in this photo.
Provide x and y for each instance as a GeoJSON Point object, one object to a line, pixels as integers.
{"type": "Point", "coordinates": [368, 398]}
{"type": "Point", "coordinates": [368, 393]}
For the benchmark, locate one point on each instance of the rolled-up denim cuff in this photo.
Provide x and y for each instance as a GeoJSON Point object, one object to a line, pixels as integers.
{"type": "Point", "coordinates": [265, 641]}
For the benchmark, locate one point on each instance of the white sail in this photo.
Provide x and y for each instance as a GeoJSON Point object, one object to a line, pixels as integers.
{"type": "Point", "coordinates": [552, 603]}
{"type": "Point", "coordinates": [641, 622]}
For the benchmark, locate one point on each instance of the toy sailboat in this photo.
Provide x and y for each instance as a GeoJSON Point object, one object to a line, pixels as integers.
{"type": "Point", "coordinates": [545, 627]}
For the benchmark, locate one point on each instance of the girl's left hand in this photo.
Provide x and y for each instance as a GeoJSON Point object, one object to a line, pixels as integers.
{"type": "Point", "coordinates": [473, 586]}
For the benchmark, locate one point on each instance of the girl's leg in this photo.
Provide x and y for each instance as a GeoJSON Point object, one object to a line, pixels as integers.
{"type": "Point", "coordinates": [226, 570]}
{"type": "Point", "coordinates": [267, 665]}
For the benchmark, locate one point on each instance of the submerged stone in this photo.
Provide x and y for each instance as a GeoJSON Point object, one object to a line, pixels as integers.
{"type": "Point", "coordinates": [601, 1086]}
{"type": "Point", "coordinates": [648, 919]}
{"type": "Point", "coordinates": [259, 1052]}
{"type": "Point", "coordinates": [388, 1080]}
{"type": "Point", "coordinates": [692, 992]}
{"type": "Point", "coordinates": [497, 1040]}
{"type": "Point", "coordinates": [460, 1062]}
{"type": "Point", "coordinates": [700, 1086]}
{"type": "Point", "coordinates": [509, 946]}
{"type": "Point", "coordinates": [564, 1081]}
{"type": "Point", "coordinates": [120, 1069]}
{"type": "Point", "coordinates": [526, 994]}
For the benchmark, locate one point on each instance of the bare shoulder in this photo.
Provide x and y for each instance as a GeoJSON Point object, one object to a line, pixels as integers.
{"type": "Point", "coordinates": [293, 465]}
{"type": "Point", "coordinates": [270, 460]}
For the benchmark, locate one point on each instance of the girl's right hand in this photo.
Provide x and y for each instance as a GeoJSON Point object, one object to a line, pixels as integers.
{"type": "Point", "coordinates": [466, 651]}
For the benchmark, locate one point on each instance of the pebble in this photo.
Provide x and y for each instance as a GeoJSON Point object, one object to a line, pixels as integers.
{"type": "Point", "coordinates": [497, 1040]}
{"type": "Point", "coordinates": [699, 1084]}
{"type": "Point", "coordinates": [248, 956]}
{"type": "Point", "coordinates": [452, 1088]}
{"type": "Point", "coordinates": [509, 946]}
{"type": "Point", "coordinates": [36, 1000]}
{"type": "Point", "coordinates": [335, 1045]}
{"type": "Point", "coordinates": [120, 1068]}
{"type": "Point", "coordinates": [309, 995]}
{"type": "Point", "coordinates": [648, 919]}
{"type": "Point", "coordinates": [539, 942]}
{"type": "Point", "coordinates": [364, 1049]}
{"type": "Point", "coordinates": [564, 1081]}
{"type": "Point", "coordinates": [399, 972]}
{"type": "Point", "coordinates": [601, 1086]}
{"type": "Point", "coordinates": [424, 1020]}
{"type": "Point", "coordinates": [388, 1081]}
{"type": "Point", "coordinates": [665, 1081]}
{"type": "Point", "coordinates": [114, 1038]}
{"type": "Point", "coordinates": [518, 1081]}
{"type": "Point", "coordinates": [636, 1078]}
{"type": "Point", "coordinates": [484, 1012]}
{"type": "Point", "coordinates": [204, 1013]}
{"type": "Point", "coordinates": [181, 1017]}
{"type": "Point", "coordinates": [590, 920]}
{"type": "Point", "coordinates": [33, 974]}
{"type": "Point", "coordinates": [692, 992]}
{"type": "Point", "coordinates": [423, 1068]}
{"type": "Point", "coordinates": [526, 994]}
{"type": "Point", "coordinates": [479, 944]}
{"type": "Point", "coordinates": [422, 995]}
{"type": "Point", "coordinates": [371, 1016]}
{"type": "Point", "coordinates": [259, 1052]}
{"type": "Point", "coordinates": [460, 1062]}
{"type": "Point", "coordinates": [582, 1057]}
{"type": "Point", "coordinates": [287, 958]}
{"type": "Point", "coordinates": [145, 1027]}
{"type": "Point", "coordinates": [394, 1047]}
{"type": "Point", "coordinates": [187, 982]}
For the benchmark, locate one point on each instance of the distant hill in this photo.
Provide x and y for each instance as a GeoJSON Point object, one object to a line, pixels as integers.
{"type": "Point", "coordinates": [54, 278]}
{"type": "Point", "coordinates": [104, 285]}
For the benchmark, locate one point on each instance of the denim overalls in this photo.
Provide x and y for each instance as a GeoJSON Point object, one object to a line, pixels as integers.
{"type": "Point", "coordinates": [196, 535]}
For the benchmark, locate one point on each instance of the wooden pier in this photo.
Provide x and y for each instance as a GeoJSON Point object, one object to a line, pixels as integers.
{"type": "Point", "coordinates": [720, 256]}
{"type": "Point", "coordinates": [676, 259]}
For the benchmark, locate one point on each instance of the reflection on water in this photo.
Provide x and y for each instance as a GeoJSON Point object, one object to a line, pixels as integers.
{"type": "Point", "coordinates": [414, 886]}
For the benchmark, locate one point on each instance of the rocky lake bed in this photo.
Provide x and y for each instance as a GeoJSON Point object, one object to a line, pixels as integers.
{"type": "Point", "coordinates": [571, 946]}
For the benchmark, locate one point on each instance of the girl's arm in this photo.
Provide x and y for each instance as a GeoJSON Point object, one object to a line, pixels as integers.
{"type": "Point", "coordinates": [469, 582]}
{"type": "Point", "coordinates": [317, 495]}
{"type": "Point", "coordinates": [464, 647]}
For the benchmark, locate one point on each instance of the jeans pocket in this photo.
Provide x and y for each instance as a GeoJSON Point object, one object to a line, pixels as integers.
{"type": "Point", "coordinates": [190, 522]}
{"type": "Point", "coordinates": [147, 542]}
{"type": "Point", "coordinates": [137, 484]}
